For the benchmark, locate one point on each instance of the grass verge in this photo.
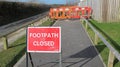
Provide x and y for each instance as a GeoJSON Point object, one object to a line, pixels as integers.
{"type": "Point", "coordinates": [49, 22]}
{"type": "Point", "coordinates": [111, 32]}
{"type": "Point", "coordinates": [16, 50]}
{"type": "Point", "coordinates": [9, 57]}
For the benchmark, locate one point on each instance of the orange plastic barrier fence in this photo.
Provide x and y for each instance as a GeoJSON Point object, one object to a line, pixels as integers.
{"type": "Point", "coordinates": [74, 12]}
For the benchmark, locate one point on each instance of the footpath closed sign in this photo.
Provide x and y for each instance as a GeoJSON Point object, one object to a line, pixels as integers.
{"type": "Point", "coordinates": [44, 39]}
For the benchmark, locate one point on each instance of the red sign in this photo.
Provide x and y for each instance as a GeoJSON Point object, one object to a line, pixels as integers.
{"type": "Point", "coordinates": [44, 39]}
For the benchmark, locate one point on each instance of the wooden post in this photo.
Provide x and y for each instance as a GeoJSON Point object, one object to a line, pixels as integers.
{"type": "Point", "coordinates": [111, 59]}
{"type": "Point", "coordinates": [5, 43]}
{"type": "Point", "coordinates": [96, 39]}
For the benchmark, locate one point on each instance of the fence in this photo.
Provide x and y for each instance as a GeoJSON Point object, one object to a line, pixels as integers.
{"type": "Point", "coordinates": [21, 24]}
{"type": "Point", "coordinates": [112, 51]}
{"type": "Point", "coordinates": [104, 10]}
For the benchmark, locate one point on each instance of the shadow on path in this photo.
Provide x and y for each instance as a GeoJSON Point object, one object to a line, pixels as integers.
{"type": "Point", "coordinates": [84, 56]}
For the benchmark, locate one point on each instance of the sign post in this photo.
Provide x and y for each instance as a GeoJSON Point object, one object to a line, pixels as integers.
{"type": "Point", "coordinates": [44, 40]}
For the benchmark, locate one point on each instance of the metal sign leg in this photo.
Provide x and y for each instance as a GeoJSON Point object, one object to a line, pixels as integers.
{"type": "Point", "coordinates": [31, 60]}
{"type": "Point", "coordinates": [60, 59]}
{"type": "Point", "coordinates": [26, 59]}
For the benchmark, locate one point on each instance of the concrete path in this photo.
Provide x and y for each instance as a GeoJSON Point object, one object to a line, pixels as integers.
{"type": "Point", "coordinates": [77, 49]}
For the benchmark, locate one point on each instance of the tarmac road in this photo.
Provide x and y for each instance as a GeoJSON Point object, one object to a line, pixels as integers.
{"type": "Point", "coordinates": [77, 49]}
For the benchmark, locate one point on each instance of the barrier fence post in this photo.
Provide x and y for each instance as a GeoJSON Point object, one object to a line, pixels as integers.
{"type": "Point", "coordinates": [110, 59]}
{"type": "Point", "coordinates": [5, 43]}
{"type": "Point", "coordinates": [96, 39]}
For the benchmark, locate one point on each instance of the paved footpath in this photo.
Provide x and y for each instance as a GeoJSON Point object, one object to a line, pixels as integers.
{"type": "Point", "coordinates": [77, 49]}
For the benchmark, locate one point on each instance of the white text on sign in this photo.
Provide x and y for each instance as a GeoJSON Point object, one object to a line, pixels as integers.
{"type": "Point", "coordinates": [44, 35]}
{"type": "Point", "coordinates": [48, 35]}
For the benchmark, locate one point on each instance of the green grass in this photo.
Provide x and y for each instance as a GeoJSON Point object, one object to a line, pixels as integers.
{"type": "Point", "coordinates": [16, 50]}
{"type": "Point", "coordinates": [103, 50]}
{"type": "Point", "coordinates": [111, 32]}
{"type": "Point", "coordinates": [47, 23]}
{"type": "Point", "coordinates": [111, 29]}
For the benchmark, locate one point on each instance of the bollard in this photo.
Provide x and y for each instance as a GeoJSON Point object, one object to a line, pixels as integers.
{"type": "Point", "coordinates": [5, 42]}
{"type": "Point", "coordinates": [110, 59]}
